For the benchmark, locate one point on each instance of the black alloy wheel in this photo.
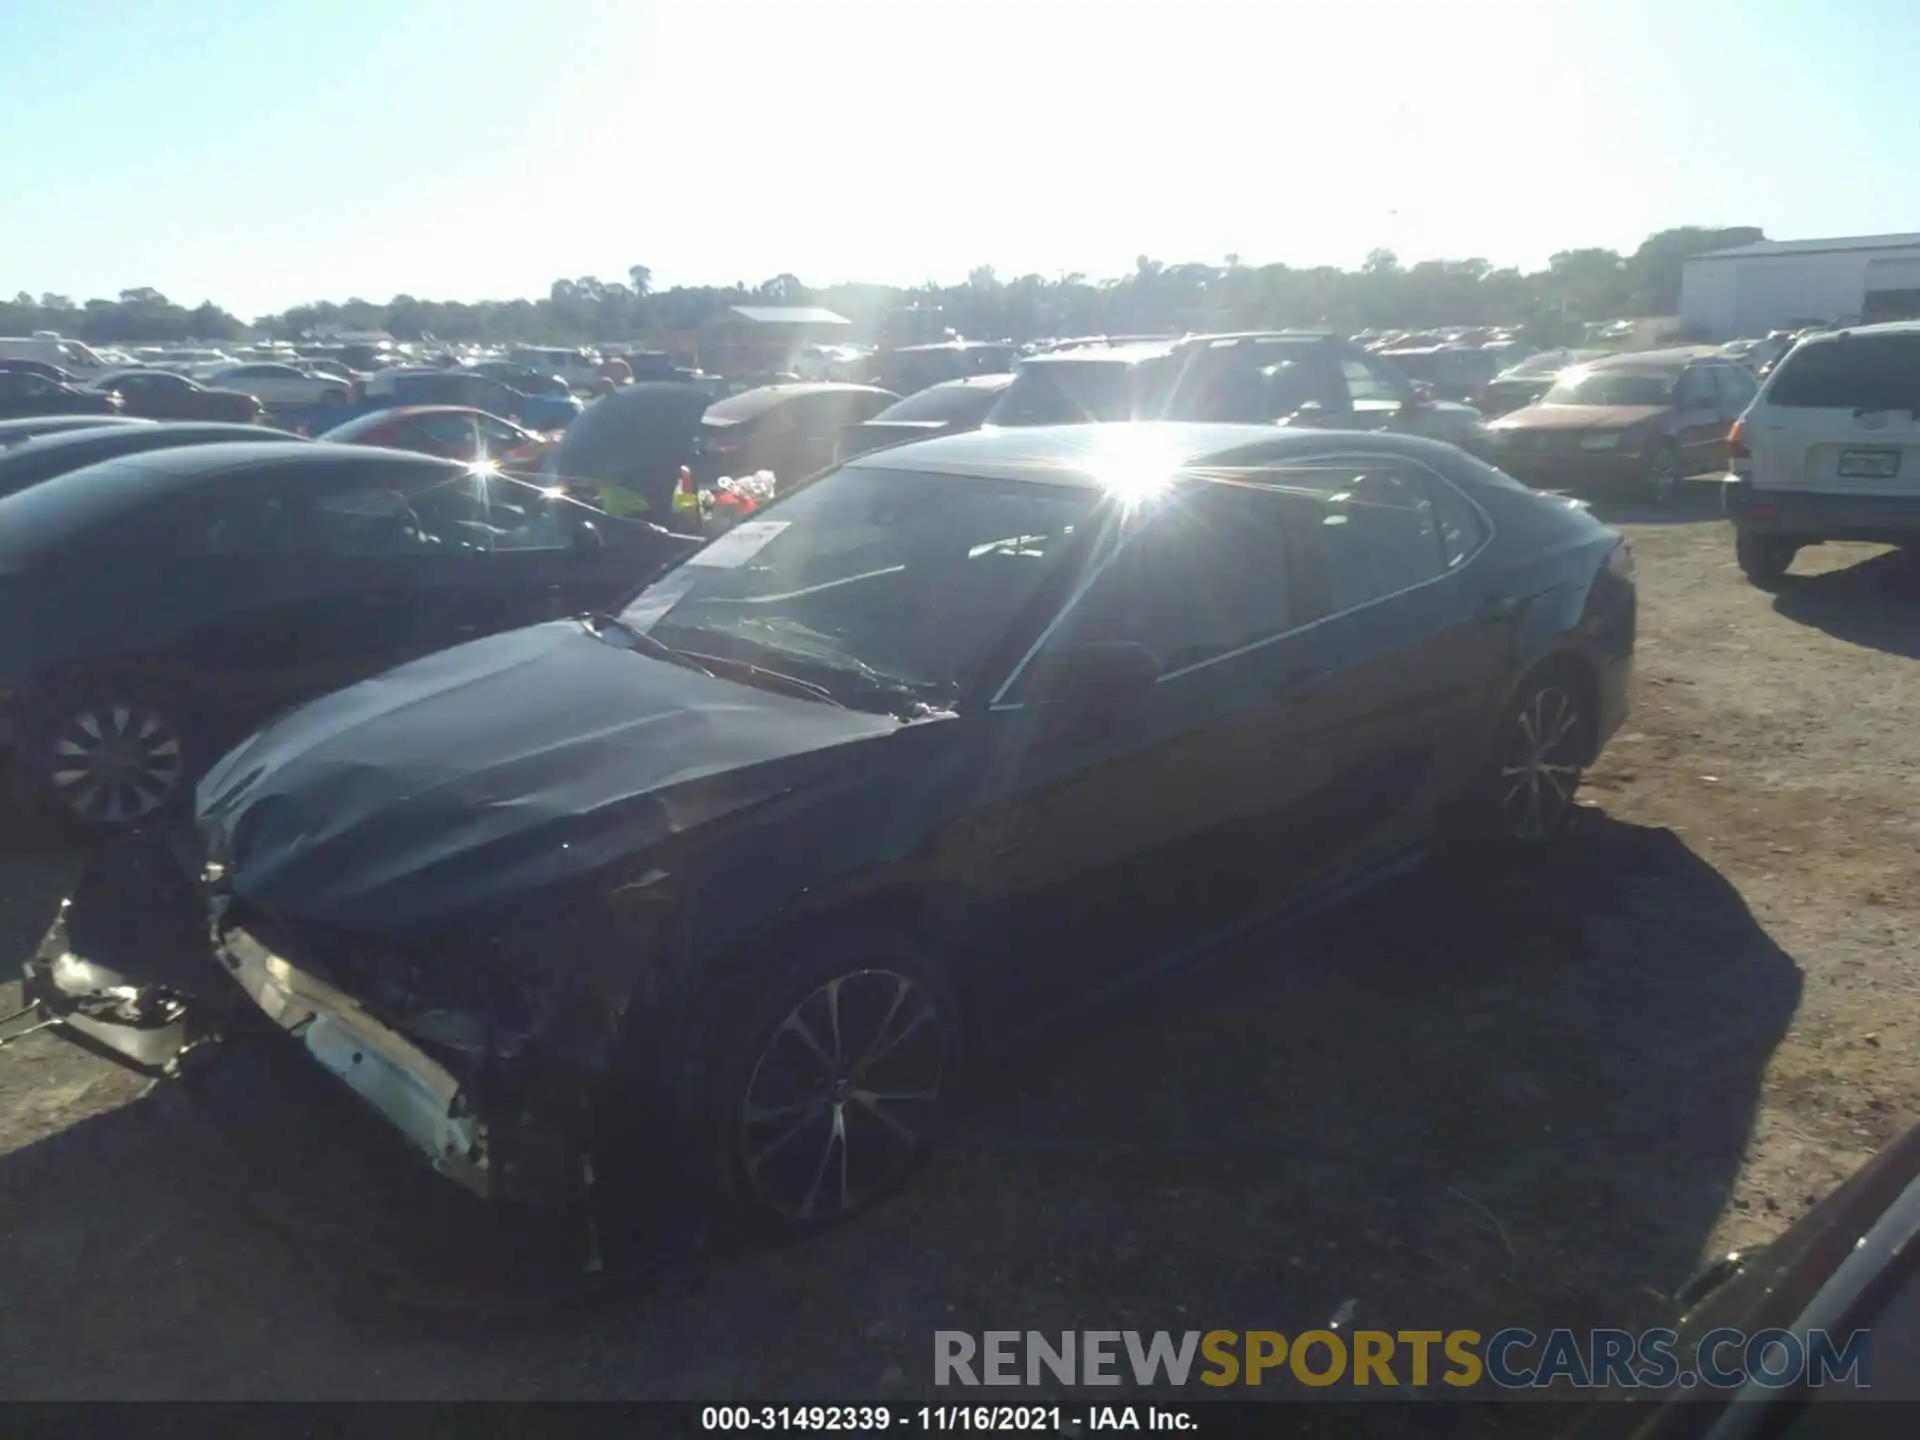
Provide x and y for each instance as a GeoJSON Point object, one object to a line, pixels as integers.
{"type": "Point", "coordinates": [1541, 752]}
{"type": "Point", "coordinates": [110, 759]}
{"type": "Point", "coordinates": [834, 1090]}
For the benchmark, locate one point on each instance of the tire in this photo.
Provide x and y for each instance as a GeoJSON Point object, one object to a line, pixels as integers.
{"type": "Point", "coordinates": [1525, 795]}
{"type": "Point", "coordinates": [827, 1082]}
{"type": "Point", "coordinates": [1660, 472]}
{"type": "Point", "coordinates": [1764, 559]}
{"type": "Point", "coordinates": [109, 755]}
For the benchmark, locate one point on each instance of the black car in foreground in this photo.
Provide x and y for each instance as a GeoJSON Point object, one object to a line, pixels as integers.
{"type": "Point", "coordinates": [726, 888]}
{"type": "Point", "coordinates": [50, 455]}
{"type": "Point", "coordinates": [158, 605]}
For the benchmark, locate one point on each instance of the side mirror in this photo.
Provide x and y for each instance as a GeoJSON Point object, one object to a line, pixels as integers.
{"type": "Point", "coordinates": [1422, 396]}
{"type": "Point", "coordinates": [1096, 674]}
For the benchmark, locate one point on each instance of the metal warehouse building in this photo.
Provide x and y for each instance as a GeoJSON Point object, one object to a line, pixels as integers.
{"type": "Point", "coordinates": [1777, 284]}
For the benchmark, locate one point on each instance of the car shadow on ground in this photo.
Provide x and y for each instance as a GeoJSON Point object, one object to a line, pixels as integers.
{"type": "Point", "coordinates": [1696, 502]}
{"type": "Point", "coordinates": [1875, 603]}
{"type": "Point", "coordinates": [1472, 1099]}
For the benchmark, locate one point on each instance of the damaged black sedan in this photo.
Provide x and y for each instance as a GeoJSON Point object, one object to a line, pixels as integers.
{"type": "Point", "coordinates": [726, 887]}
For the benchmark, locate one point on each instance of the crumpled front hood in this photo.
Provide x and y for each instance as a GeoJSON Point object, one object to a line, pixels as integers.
{"type": "Point", "coordinates": [496, 768]}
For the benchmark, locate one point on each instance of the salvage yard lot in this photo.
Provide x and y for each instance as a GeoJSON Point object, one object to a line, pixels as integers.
{"type": "Point", "coordinates": [1471, 1102]}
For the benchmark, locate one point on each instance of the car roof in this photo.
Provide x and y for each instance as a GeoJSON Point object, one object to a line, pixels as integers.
{"type": "Point", "coordinates": [749, 403]}
{"type": "Point", "coordinates": [392, 410]}
{"type": "Point", "coordinates": [1099, 353]}
{"type": "Point", "coordinates": [57, 441]}
{"type": "Point", "coordinates": [997, 380]}
{"type": "Point", "coordinates": [1657, 359]}
{"type": "Point", "coordinates": [936, 347]}
{"type": "Point", "coordinates": [1077, 455]}
{"type": "Point", "coordinates": [185, 465]}
{"type": "Point", "coordinates": [1884, 327]}
{"type": "Point", "coordinates": [48, 424]}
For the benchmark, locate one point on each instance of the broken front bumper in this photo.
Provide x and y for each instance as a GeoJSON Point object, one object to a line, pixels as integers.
{"type": "Point", "coordinates": [414, 1093]}
{"type": "Point", "coordinates": [139, 964]}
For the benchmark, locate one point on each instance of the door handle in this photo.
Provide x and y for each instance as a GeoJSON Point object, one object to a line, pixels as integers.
{"type": "Point", "coordinates": [1496, 608]}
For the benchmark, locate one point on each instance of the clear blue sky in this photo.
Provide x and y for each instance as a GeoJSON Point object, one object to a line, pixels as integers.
{"type": "Point", "coordinates": [264, 152]}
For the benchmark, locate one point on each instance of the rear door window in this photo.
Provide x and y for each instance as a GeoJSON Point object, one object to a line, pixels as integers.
{"type": "Point", "coordinates": [1205, 576]}
{"type": "Point", "coordinates": [449, 435]}
{"type": "Point", "coordinates": [254, 518]}
{"type": "Point", "coordinates": [497, 435]}
{"type": "Point", "coordinates": [382, 516]}
{"type": "Point", "coordinates": [1851, 372]}
{"type": "Point", "coordinates": [1376, 528]}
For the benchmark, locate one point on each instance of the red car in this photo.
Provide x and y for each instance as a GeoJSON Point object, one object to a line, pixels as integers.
{"type": "Point", "coordinates": [163, 395]}
{"type": "Point", "coordinates": [454, 432]}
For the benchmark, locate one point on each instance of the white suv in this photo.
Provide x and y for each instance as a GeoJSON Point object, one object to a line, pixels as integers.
{"type": "Point", "coordinates": [1829, 449]}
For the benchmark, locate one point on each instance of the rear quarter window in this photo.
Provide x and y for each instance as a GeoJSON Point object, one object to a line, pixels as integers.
{"type": "Point", "coordinates": [1852, 372]}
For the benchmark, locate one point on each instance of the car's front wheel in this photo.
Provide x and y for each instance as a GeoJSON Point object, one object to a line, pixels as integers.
{"type": "Point", "coordinates": [110, 755]}
{"type": "Point", "coordinates": [829, 1080]}
{"type": "Point", "coordinates": [1764, 559]}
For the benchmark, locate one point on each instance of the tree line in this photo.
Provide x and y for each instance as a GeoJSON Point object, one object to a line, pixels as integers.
{"type": "Point", "coordinates": [1576, 286]}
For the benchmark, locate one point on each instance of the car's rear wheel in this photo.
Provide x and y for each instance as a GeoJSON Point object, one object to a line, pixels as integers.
{"type": "Point", "coordinates": [111, 755]}
{"type": "Point", "coordinates": [829, 1080]}
{"type": "Point", "coordinates": [1525, 794]}
{"type": "Point", "coordinates": [1660, 472]}
{"type": "Point", "coordinates": [1764, 559]}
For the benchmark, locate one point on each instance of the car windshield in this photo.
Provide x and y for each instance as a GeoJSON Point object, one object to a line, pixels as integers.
{"type": "Point", "coordinates": [1613, 387]}
{"type": "Point", "coordinates": [870, 581]}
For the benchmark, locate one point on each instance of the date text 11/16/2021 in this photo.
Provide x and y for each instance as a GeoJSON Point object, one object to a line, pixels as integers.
{"type": "Point", "coordinates": [945, 1419]}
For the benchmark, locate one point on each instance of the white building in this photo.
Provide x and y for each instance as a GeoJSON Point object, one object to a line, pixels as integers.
{"type": "Point", "coordinates": [1777, 284]}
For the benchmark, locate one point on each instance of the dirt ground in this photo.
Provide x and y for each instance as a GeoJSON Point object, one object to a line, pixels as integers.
{"type": "Point", "coordinates": [1464, 1103]}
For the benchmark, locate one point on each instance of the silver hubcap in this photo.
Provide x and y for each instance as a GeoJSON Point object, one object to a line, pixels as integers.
{"type": "Point", "coordinates": [1541, 769]}
{"type": "Point", "coordinates": [113, 764]}
{"type": "Point", "coordinates": [842, 1095]}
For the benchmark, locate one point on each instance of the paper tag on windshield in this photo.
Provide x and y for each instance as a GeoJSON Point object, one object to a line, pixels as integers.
{"type": "Point", "coordinates": [738, 545]}
{"type": "Point", "coordinates": [660, 597]}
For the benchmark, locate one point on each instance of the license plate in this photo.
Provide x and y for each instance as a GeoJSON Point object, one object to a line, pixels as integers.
{"type": "Point", "coordinates": [1873, 464]}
